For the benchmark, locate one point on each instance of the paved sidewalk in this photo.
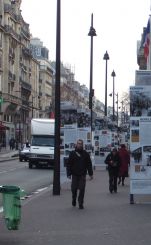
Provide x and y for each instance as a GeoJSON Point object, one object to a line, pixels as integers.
{"type": "Point", "coordinates": [107, 218]}
{"type": "Point", "coordinates": [6, 154]}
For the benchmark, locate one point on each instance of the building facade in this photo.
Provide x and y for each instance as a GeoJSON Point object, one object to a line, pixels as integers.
{"type": "Point", "coordinates": [27, 78]}
{"type": "Point", "coordinates": [46, 74]}
{"type": "Point", "coordinates": [16, 74]}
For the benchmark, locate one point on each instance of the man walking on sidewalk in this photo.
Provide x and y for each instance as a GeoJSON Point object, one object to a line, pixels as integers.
{"type": "Point", "coordinates": [79, 164]}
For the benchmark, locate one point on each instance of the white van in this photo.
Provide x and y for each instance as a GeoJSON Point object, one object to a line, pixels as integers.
{"type": "Point", "coordinates": [42, 142]}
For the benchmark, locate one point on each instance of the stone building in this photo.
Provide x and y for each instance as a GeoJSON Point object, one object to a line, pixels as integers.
{"type": "Point", "coordinates": [19, 73]}
{"type": "Point", "coordinates": [27, 77]}
{"type": "Point", "coordinates": [46, 73]}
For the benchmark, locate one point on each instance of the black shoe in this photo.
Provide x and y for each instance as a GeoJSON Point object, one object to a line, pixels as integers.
{"type": "Point", "coordinates": [119, 182]}
{"type": "Point", "coordinates": [74, 203]}
{"type": "Point", "coordinates": [81, 206]}
{"type": "Point", "coordinates": [115, 191]}
{"type": "Point", "coordinates": [122, 183]}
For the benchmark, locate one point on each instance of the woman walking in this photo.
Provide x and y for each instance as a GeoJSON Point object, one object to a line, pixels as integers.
{"type": "Point", "coordinates": [125, 162]}
{"type": "Point", "coordinates": [113, 162]}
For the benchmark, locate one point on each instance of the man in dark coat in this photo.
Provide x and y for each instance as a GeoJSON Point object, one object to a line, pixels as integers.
{"type": "Point", "coordinates": [113, 162]}
{"type": "Point", "coordinates": [79, 164]}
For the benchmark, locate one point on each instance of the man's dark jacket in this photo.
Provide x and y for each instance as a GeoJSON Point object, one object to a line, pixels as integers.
{"type": "Point", "coordinates": [113, 167]}
{"type": "Point", "coordinates": [79, 163]}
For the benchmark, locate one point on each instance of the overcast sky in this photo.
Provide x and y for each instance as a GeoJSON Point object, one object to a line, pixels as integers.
{"type": "Point", "coordinates": [118, 23]}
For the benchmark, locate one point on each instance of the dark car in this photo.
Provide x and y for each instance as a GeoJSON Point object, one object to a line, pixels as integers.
{"type": "Point", "coordinates": [24, 154]}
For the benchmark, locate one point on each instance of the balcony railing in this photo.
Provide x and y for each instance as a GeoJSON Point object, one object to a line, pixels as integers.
{"type": "Point", "coordinates": [25, 85]}
{"type": "Point", "coordinates": [8, 9]}
{"type": "Point", "coordinates": [9, 29]}
{"type": "Point", "coordinates": [25, 33]}
{"type": "Point", "coordinates": [11, 98]}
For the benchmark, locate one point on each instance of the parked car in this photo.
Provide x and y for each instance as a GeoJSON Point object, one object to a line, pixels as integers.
{"type": "Point", "coordinates": [24, 154]}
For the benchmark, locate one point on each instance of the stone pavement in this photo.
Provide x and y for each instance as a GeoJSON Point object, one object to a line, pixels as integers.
{"type": "Point", "coordinates": [6, 154]}
{"type": "Point", "coordinates": [108, 219]}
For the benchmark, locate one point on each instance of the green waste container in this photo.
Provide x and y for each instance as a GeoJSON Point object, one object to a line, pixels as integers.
{"type": "Point", "coordinates": [11, 206]}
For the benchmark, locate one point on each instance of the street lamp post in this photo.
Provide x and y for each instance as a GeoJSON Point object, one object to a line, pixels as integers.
{"type": "Point", "coordinates": [91, 33]}
{"type": "Point", "coordinates": [56, 177]}
{"type": "Point", "coordinates": [113, 75]}
{"type": "Point", "coordinates": [117, 108]}
{"type": "Point", "coordinates": [106, 58]}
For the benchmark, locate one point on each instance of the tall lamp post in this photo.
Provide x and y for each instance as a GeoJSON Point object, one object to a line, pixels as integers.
{"type": "Point", "coordinates": [56, 177]}
{"type": "Point", "coordinates": [117, 108]}
{"type": "Point", "coordinates": [91, 33]}
{"type": "Point", "coordinates": [117, 105]}
{"type": "Point", "coordinates": [113, 75]}
{"type": "Point", "coordinates": [106, 58]}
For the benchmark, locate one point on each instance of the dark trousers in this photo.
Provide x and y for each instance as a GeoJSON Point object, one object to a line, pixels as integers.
{"type": "Point", "coordinates": [123, 178]}
{"type": "Point", "coordinates": [113, 175]}
{"type": "Point", "coordinates": [78, 183]}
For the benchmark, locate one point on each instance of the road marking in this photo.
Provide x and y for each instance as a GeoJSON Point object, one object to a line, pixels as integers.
{"type": "Point", "coordinates": [9, 170]}
{"type": "Point", "coordinates": [1, 172]}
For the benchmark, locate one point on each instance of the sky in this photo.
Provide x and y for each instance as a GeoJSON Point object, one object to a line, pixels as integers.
{"type": "Point", "coordinates": [118, 24]}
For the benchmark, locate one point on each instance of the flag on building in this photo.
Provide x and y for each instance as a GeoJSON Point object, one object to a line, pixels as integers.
{"type": "Point", "coordinates": [147, 40]}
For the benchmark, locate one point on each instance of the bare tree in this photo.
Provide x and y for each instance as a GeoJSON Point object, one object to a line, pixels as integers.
{"type": "Point", "coordinates": [125, 101]}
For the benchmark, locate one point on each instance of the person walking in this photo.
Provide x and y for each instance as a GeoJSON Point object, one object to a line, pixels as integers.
{"type": "Point", "coordinates": [12, 143]}
{"type": "Point", "coordinates": [125, 162]}
{"type": "Point", "coordinates": [79, 163]}
{"type": "Point", "coordinates": [113, 162]}
{"type": "Point", "coordinates": [27, 144]}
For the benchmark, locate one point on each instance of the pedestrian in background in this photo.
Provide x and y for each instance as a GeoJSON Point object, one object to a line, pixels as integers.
{"type": "Point", "coordinates": [125, 162]}
{"type": "Point", "coordinates": [113, 162]}
{"type": "Point", "coordinates": [27, 144]}
{"type": "Point", "coordinates": [79, 163]}
{"type": "Point", "coordinates": [12, 143]}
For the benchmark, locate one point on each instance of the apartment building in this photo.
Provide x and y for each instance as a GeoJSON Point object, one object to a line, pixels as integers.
{"type": "Point", "coordinates": [46, 73]}
{"type": "Point", "coordinates": [19, 72]}
{"type": "Point", "coordinates": [27, 77]}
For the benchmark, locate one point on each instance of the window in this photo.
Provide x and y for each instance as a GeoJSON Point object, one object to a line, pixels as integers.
{"type": "Point", "coordinates": [42, 140]}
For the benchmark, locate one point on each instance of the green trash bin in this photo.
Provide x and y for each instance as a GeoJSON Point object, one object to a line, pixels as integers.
{"type": "Point", "coordinates": [11, 206]}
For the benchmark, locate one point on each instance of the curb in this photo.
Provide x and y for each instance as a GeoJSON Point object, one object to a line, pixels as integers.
{"type": "Point", "coordinates": [8, 159]}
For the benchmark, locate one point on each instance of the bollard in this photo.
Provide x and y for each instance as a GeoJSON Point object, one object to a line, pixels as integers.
{"type": "Point", "coordinates": [11, 206]}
